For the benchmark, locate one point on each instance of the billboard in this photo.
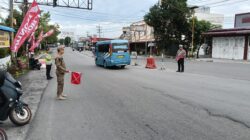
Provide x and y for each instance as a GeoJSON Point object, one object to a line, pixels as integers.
{"type": "Point", "coordinates": [4, 39]}
{"type": "Point", "coordinates": [242, 20]}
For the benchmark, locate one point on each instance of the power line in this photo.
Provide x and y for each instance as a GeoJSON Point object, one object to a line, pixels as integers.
{"type": "Point", "coordinates": [99, 30]}
{"type": "Point", "coordinates": [96, 16]}
{"type": "Point", "coordinates": [88, 19]}
{"type": "Point", "coordinates": [235, 2]}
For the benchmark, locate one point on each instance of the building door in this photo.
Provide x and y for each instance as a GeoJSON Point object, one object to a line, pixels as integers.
{"type": "Point", "coordinates": [238, 49]}
{"type": "Point", "coordinates": [248, 56]}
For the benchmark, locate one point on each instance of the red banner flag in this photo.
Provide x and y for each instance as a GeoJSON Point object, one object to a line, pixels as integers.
{"type": "Point", "coordinates": [28, 25]}
{"type": "Point", "coordinates": [40, 38]}
{"type": "Point", "coordinates": [32, 36]}
{"type": "Point", "coordinates": [49, 33]}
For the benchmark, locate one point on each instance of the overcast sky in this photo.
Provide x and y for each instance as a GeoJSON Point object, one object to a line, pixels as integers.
{"type": "Point", "coordinates": [112, 15]}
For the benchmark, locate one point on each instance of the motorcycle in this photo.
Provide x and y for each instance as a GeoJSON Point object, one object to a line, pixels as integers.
{"type": "Point", "coordinates": [3, 135]}
{"type": "Point", "coordinates": [34, 64]}
{"type": "Point", "coordinates": [10, 104]}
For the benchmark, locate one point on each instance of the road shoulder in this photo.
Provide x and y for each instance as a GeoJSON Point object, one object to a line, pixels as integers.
{"type": "Point", "coordinates": [34, 83]}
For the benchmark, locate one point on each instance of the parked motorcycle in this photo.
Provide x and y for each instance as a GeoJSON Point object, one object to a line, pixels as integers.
{"type": "Point", "coordinates": [34, 64]}
{"type": "Point", "coordinates": [10, 104]}
{"type": "Point", "coordinates": [3, 135]}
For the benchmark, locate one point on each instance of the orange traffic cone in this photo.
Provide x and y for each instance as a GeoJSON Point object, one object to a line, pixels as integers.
{"type": "Point", "coordinates": [151, 63]}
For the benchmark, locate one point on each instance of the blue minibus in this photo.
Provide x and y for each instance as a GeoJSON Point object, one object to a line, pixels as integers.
{"type": "Point", "coordinates": [112, 53]}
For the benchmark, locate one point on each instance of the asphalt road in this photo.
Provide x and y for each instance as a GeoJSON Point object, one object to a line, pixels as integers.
{"type": "Point", "coordinates": [141, 104]}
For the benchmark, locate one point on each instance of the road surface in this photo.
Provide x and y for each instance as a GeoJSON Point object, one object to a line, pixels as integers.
{"type": "Point", "coordinates": [140, 104]}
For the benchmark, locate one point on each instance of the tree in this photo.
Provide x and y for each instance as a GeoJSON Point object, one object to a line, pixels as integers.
{"type": "Point", "coordinates": [67, 41]}
{"type": "Point", "coordinates": [17, 15]}
{"type": "Point", "coordinates": [200, 27]}
{"type": "Point", "coordinates": [1, 20]}
{"type": "Point", "coordinates": [170, 23]}
{"type": "Point", "coordinates": [61, 41]}
{"type": "Point", "coordinates": [46, 26]}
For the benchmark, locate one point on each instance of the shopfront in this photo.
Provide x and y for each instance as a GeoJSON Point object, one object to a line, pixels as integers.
{"type": "Point", "coordinates": [5, 45]}
{"type": "Point", "coordinates": [230, 43]}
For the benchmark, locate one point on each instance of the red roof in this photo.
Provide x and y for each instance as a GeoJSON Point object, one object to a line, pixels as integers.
{"type": "Point", "coordinates": [228, 32]}
{"type": "Point", "coordinates": [96, 39]}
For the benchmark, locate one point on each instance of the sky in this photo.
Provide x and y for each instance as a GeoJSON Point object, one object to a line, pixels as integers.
{"type": "Point", "coordinates": [112, 15]}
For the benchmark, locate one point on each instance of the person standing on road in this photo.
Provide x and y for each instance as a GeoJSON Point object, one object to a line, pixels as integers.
{"type": "Point", "coordinates": [48, 60]}
{"type": "Point", "coordinates": [180, 56]}
{"type": "Point", "coordinates": [60, 72]}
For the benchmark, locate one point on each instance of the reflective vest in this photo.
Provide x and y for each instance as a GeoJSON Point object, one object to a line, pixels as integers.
{"type": "Point", "coordinates": [48, 59]}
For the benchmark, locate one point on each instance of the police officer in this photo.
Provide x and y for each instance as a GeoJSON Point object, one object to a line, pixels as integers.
{"type": "Point", "coordinates": [48, 60]}
{"type": "Point", "coordinates": [180, 56]}
{"type": "Point", "coordinates": [60, 72]}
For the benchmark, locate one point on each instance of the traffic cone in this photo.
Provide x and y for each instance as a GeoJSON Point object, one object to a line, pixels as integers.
{"type": "Point", "coordinates": [151, 63]}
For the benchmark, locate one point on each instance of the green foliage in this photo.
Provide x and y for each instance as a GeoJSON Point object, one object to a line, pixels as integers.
{"type": "Point", "coordinates": [1, 20]}
{"type": "Point", "coordinates": [169, 22]}
{"type": "Point", "coordinates": [201, 26]}
{"type": "Point", "coordinates": [46, 26]}
{"type": "Point", "coordinates": [17, 15]}
{"type": "Point", "coordinates": [67, 41]}
{"type": "Point", "coordinates": [61, 41]}
{"type": "Point", "coordinates": [4, 52]}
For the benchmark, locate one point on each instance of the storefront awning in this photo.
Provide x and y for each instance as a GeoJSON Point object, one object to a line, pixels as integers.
{"type": "Point", "coordinates": [5, 28]}
{"type": "Point", "coordinates": [228, 32]}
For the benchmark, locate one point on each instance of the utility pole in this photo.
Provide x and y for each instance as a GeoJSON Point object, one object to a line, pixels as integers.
{"type": "Point", "coordinates": [99, 30]}
{"type": "Point", "coordinates": [193, 28]}
{"type": "Point", "coordinates": [11, 20]}
{"type": "Point", "coordinates": [25, 8]}
{"type": "Point", "coordinates": [160, 2]}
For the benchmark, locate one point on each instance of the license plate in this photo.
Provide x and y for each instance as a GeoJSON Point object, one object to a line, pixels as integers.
{"type": "Point", "coordinates": [120, 56]}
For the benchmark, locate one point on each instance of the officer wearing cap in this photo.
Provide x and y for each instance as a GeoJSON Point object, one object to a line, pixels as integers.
{"type": "Point", "coordinates": [60, 72]}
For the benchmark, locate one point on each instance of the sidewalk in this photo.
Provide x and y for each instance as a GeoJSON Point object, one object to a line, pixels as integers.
{"type": "Point", "coordinates": [159, 59]}
{"type": "Point", "coordinates": [34, 84]}
{"type": "Point", "coordinates": [222, 60]}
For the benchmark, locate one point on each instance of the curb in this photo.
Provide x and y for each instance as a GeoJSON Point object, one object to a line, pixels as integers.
{"type": "Point", "coordinates": [224, 61]}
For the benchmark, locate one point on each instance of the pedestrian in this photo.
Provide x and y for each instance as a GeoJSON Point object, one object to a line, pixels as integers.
{"type": "Point", "coordinates": [60, 72]}
{"type": "Point", "coordinates": [48, 61]}
{"type": "Point", "coordinates": [180, 56]}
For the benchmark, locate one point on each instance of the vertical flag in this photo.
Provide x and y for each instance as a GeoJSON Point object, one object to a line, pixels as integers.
{"type": "Point", "coordinates": [49, 33]}
{"type": "Point", "coordinates": [32, 36]}
{"type": "Point", "coordinates": [40, 38]}
{"type": "Point", "coordinates": [36, 44]}
{"type": "Point", "coordinates": [28, 25]}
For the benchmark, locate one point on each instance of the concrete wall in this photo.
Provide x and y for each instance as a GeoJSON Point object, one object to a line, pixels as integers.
{"type": "Point", "coordinates": [145, 35]}
{"type": "Point", "coordinates": [248, 56]}
{"type": "Point", "coordinates": [217, 19]}
{"type": "Point", "coordinates": [242, 20]}
{"type": "Point", "coordinates": [228, 47]}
